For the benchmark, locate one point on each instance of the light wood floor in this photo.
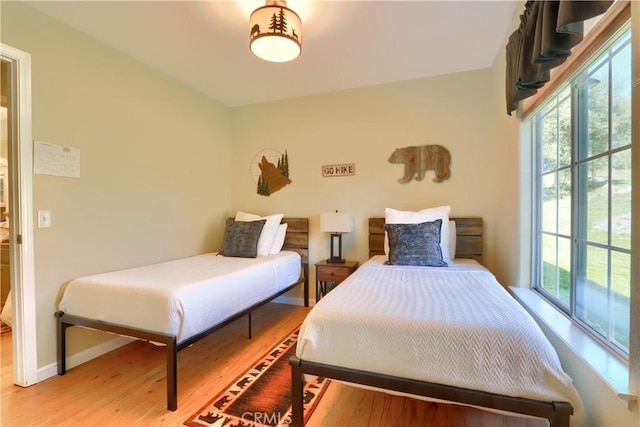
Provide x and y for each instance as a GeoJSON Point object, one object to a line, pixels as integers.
{"type": "Point", "coordinates": [127, 386]}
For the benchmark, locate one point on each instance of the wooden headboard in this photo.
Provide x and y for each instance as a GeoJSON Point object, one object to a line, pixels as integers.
{"type": "Point", "coordinates": [297, 237]}
{"type": "Point", "coordinates": [468, 239]}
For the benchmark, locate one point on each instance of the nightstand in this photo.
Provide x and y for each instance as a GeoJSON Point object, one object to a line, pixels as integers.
{"type": "Point", "coordinates": [329, 272]}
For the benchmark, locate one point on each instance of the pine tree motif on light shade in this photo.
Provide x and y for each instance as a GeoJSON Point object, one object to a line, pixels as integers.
{"type": "Point", "coordinates": [276, 32]}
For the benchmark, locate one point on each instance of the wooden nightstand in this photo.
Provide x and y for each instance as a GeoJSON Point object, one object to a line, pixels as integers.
{"type": "Point", "coordinates": [327, 272]}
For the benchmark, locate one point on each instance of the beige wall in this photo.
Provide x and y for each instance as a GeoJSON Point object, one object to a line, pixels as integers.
{"type": "Point", "coordinates": [506, 186]}
{"type": "Point", "coordinates": [155, 163]}
{"type": "Point", "coordinates": [364, 126]}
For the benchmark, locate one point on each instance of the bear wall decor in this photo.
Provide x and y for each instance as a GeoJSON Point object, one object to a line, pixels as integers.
{"type": "Point", "coordinates": [419, 159]}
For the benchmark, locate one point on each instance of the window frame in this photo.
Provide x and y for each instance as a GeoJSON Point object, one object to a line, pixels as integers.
{"type": "Point", "coordinates": [605, 53]}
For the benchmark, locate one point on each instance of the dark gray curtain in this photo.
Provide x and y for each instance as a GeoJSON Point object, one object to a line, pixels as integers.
{"type": "Point", "coordinates": [547, 32]}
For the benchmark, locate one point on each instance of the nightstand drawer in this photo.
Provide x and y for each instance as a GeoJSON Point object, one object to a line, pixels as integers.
{"type": "Point", "coordinates": [327, 272]}
{"type": "Point", "coordinates": [333, 274]}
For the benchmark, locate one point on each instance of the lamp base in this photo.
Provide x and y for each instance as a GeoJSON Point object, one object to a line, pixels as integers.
{"type": "Point", "coordinates": [336, 249]}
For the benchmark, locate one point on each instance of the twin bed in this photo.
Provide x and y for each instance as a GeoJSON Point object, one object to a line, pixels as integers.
{"type": "Point", "coordinates": [176, 303]}
{"type": "Point", "coordinates": [450, 334]}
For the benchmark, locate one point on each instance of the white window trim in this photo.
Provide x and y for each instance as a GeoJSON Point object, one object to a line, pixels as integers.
{"type": "Point", "coordinates": [607, 365]}
{"type": "Point", "coordinates": [604, 362]}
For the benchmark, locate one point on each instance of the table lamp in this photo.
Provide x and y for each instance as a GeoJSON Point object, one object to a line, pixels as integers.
{"type": "Point", "coordinates": [336, 223]}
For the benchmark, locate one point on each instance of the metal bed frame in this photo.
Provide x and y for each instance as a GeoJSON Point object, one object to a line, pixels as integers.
{"type": "Point", "coordinates": [297, 239]}
{"type": "Point", "coordinates": [469, 245]}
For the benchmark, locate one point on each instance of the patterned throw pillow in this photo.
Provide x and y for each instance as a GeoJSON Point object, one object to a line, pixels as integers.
{"type": "Point", "coordinates": [241, 239]}
{"type": "Point", "coordinates": [415, 244]}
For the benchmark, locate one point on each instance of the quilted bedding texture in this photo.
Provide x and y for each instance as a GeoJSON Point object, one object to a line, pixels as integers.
{"type": "Point", "coordinates": [455, 326]}
{"type": "Point", "coordinates": [182, 297]}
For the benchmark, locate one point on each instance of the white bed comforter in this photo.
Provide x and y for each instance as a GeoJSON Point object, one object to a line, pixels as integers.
{"type": "Point", "coordinates": [182, 297]}
{"type": "Point", "coordinates": [454, 325]}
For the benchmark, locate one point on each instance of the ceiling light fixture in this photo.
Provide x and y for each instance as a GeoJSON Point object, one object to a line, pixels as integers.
{"type": "Point", "coordinates": [276, 32]}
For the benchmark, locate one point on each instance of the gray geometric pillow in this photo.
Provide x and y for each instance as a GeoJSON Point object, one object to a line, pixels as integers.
{"type": "Point", "coordinates": [415, 244]}
{"type": "Point", "coordinates": [241, 239]}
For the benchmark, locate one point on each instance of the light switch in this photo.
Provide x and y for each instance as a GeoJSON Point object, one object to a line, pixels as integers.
{"type": "Point", "coordinates": [44, 219]}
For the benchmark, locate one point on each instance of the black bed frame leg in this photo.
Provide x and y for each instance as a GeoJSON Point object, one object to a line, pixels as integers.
{"type": "Point", "coordinates": [561, 415]}
{"type": "Point", "coordinates": [306, 286]}
{"type": "Point", "coordinates": [172, 375]}
{"type": "Point", "coordinates": [297, 394]}
{"type": "Point", "coordinates": [62, 343]}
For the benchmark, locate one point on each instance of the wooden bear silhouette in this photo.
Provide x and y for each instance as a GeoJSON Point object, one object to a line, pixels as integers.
{"type": "Point", "coordinates": [419, 159]}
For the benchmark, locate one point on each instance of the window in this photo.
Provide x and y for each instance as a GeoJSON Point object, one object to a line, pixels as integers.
{"type": "Point", "coordinates": [582, 195]}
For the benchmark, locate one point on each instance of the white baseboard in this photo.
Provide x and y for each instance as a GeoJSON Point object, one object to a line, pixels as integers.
{"type": "Point", "coordinates": [84, 356]}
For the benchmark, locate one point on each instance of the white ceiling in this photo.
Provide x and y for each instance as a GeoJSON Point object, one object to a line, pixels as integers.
{"type": "Point", "coordinates": [346, 44]}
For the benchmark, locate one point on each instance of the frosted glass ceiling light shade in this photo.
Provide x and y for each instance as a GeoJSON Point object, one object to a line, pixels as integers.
{"type": "Point", "coordinates": [276, 32]}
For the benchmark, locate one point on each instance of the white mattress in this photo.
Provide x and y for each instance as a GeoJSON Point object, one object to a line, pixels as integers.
{"type": "Point", "coordinates": [182, 297]}
{"type": "Point", "coordinates": [455, 326]}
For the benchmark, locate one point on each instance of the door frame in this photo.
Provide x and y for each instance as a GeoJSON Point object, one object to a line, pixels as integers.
{"type": "Point", "coordinates": [22, 266]}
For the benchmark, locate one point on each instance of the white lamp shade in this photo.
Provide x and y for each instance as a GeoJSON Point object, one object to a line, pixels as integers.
{"type": "Point", "coordinates": [336, 222]}
{"type": "Point", "coordinates": [276, 33]}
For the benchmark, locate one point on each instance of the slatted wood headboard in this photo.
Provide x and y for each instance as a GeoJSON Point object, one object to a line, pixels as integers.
{"type": "Point", "coordinates": [297, 237]}
{"type": "Point", "coordinates": [468, 241]}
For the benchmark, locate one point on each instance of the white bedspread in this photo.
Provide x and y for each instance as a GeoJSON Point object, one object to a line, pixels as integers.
{"type": "Point", "coordinates": [182, 297]}
{"type": "Point", "coordinates": [454, 325]}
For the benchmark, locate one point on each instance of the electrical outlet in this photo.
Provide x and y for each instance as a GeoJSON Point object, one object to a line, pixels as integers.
{"type": "Point", "coordinates": [44, 219]}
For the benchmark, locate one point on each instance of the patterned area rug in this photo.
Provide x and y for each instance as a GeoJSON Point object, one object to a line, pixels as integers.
{"type": "Point", "coordinates": [262, 395]}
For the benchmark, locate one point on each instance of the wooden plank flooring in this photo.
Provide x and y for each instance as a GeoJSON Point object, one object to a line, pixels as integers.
{"type": "Point", "coordinates": [127, 386]}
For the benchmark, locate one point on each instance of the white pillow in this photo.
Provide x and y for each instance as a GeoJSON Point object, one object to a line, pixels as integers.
{"type": "Point", "coordinates": [268, 234]}
{"type": "Point", "coordinates": [453, 238]}
{"type": "Point", "coordinates": [393, 216]}
{"type": "Point", "coordinates": [278, 241]}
